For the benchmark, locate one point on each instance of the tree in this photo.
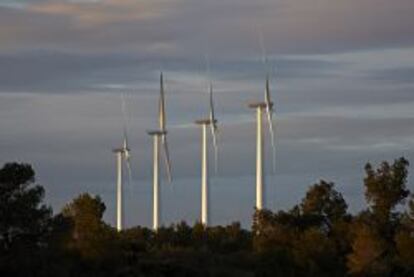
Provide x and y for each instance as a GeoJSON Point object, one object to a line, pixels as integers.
{"type": "Point", "coordinates": [228, 239]}
{"type": "Point", "coordinates": [90, 236]}
{"type": "Point", "coordinates": [385, 187]}
{"type": "Point", "coordinates": [404, 240]}
{"type": "Point", "coordinates": [182, 234]}
{"type": "Point", "coordinates": [324, 201]}
{"type": "Point", "coordinates": [24, 220]}
{"type": "Point", "coordinates": [368, 252]}
{"type": "Point", "coordinates": [315, 238]}
{"type": "Point", "coordinates": [316, 255]}
{"type": "Point", "coordinates": [23, 217]}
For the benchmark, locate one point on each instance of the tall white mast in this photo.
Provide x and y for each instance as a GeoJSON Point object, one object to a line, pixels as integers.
{"type": "Point", "coordinates": [156, 204]}
{"type": "Point", "coordinates": [156, 180]}
{"type": "Point", "coordinates": [259, 160]}
{"type": "Point", "coordinates": [123, 154]}
{"type": "Point", "coordinates": [260, 184]}
{"type": "Point", "coordinates": [119, 192]}
{"type": "Point", "coordinates": [267, 106]}
{"type": "Point", "coordinates": [205, 190]}
{"type": "Point", "coordinates": [204, 179]}
{"type": "Point", "coordinates": [207, 123]}
{"type": "Point", "coordinates": [159, 137]}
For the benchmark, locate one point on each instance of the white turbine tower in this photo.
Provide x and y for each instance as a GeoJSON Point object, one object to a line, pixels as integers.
{"type": "Point", "coordinates": [211, 122]}
{"type": "Point", "coordinates": [267, 106]}
{"type": "Point", "coordinates": [159, 136]}
{"type": "Point", "coordinates": [123, 155]}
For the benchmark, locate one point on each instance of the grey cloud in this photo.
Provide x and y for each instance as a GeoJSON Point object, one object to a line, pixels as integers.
{"type": "Point", "coordinates": [402, 75]}
{"type": "Point", "coordinates": [42, 71]}
{"type": "Point", "coordinates": [182, 28]}
{"type": "Point", "coordinates": [18, 4]}
{"type": "Point", "coordinates": [54, 72]}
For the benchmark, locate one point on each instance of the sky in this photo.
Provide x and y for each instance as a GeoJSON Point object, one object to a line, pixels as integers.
{"type": "Point", "coordinates": [341, 79]}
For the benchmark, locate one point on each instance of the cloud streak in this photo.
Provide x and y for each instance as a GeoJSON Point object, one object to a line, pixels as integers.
{"type": "Point", "coordinates": [180, 27]}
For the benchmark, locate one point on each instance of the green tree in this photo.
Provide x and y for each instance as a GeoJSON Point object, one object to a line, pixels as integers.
{"type": "Point", "coordinates": [368, 252]}
{"type": "Point", "coordinates": [23, 218]}
{"type": "Point", "coordinates": [324, 201]}
{"type": "Point", "coordinates": [404, 240]}
{"type": "Point", "coordinates": [385, 187]}
{"type": "Point", "coordinates": [182, 234]}
{"type": "Point", "coordinates": [316, 254]}
{"type": "Point", "coordinates": [90, 236]}
{"type": "Point", "coordinates": [325, 207]}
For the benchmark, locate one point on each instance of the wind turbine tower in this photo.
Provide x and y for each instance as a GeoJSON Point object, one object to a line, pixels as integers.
{"type": "Point", "coordinates": [122, 155]}
{"type": "Point", "coordinates": [159, 138]}
{"type": "Point", "coordinates": [261, 107]}
{"type": "Point", "coordinates": [207, 123]}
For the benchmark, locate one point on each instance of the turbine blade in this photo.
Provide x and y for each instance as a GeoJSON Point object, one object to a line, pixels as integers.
{"type": "Point", "coordinates": [207, 59]}
{"type": "Point", "coordinates": [161, 105]}
{"type": "Point", "coordinates": [124, 117]}
{"type": "Point", "coordinates": [212, 115]}
{"type": "Point", "coordinates": [269, 113]}
{"type": "Point", "coordinates": [125, 142]}
{"type": "Point", "coordinates": [167, 158]}
{"type": "Point", "coordinates": [162, 125]}
{"type": "Point", "coordinates": [214, 134]}
{"type": "Point", "coordinates": [125, 145]}
{"type": "Point", "coordinates": [263, 49]}
{"type": "Point", "coordinates": [128, 166]}
{"type": "Point", "coordinates": [272, 138]}
{"type": "Point", "coordinates": [213, 128]}
{"type": "Point", "coordinates": [267, 91]}
{"type": "Point", "coordinates": [268, 101]}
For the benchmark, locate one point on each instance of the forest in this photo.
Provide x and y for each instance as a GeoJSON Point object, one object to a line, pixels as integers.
{"type": "Point", "coordinates": [317, 237]}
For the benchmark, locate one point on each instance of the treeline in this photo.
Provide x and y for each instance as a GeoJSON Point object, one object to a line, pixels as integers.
{"type": "Point", "coordinates": [317, 237]}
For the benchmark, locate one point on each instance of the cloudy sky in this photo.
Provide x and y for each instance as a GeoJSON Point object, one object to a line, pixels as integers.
{"type": "Point", "coordinates": [342, 82]}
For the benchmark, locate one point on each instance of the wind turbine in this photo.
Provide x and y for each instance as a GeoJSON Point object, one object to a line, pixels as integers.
{"type": "Point", "coordinates": [210, 122]}
{"type": "Point", "coordinates": [159, 136]}
{"type": "Point", "coordinates": [268, 107]}
{"type": "Point", "coordinates": [123, 155]}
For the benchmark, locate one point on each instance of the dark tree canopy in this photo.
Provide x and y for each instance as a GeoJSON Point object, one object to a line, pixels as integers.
{"type": "Point", "coordinates": [316, 237]}
{"type": "Point", "coordinates": [386, 187]}
{"type": "Point", "coordinates": [90, 235]}
{"type": "Point", "coordinates": [368, 249]}
{"type": "Point", "coordinates": [23, 217]}
{"type": "Point", "coordinates": [323, 200]}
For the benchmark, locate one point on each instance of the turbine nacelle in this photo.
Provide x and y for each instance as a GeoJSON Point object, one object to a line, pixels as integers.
{"type": "Point", "coordinates": [206, 122]}
{"type": "Point", "coordinates": [263, 105]}
{"type": "Point", "coordinates": [124, 151]}
{"type": "Point", "coordinates": [156, 132]}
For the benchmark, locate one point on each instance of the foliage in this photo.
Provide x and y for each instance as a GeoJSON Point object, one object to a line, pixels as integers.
{"type": "Point", "coordinates": [324, 201]}
{"type": "Point", "coordinates": [22, 216]}
{"type": "Point", "coordinates": [90, 236]}
{"type": "Point", "coordinates": [317, 237]}
{"type": "Point", "coordinates": [368, 249]}
{"type": "Point", "coordinates": [386, 187]}
{"type": "Point", "coordinates": [24, 220]}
